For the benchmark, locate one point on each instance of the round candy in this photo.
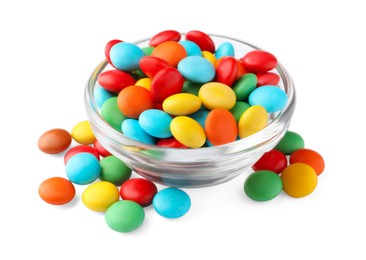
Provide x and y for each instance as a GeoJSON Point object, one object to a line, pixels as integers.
{"type": "Point", "coordinates": [209, 56]}
{"type": "Point", "coordinates": [267, 78]}
{"type": "Point", "coordinates": [238, 109]}
{"type": "Point", "coordinates": [188, 132]}
{"type": "Point", "coordinates": [101, 95]}
{"type": "Point", "coordinates": [115, 80]}
{"type": "Point", "coordinates": [290, 143]}
{"type": "Point", "coordinates": [165, 83]}
{"type": "Point", "coordinates": [83, 168]}
{"type": "Point", "coordinates": [202, 40]}
{"type": "Point", "coordinates": [150, 66]}
{"type": "Point", "coordinates": [273, 160]}
{"type": "Point", "coordinates": [168, 35]}
{"type": "Point", "coordinates": [100, 195]}
{"type": "Point", "coordinates": [170, 51]}
{"type": "Point", "coordinates": [171, 203]}
{"type": "Point", "coordinates": [259, 61]}
{"type": "Point", "coordinates": [196, 69]}
{"type": "Point", "coordinates": [299, 180]}
{"type": "Point", "coordinates": [101, 150]}
{"type": "Point", "coordinates": [225, 49]}
{"type": "Point", "coordinates": [309, 157]}
{"type": "Point", "coordinates": [108, 47]}
{"type": "Point", "coordinates": [263, 185]}
{"type": "Point", "coordinates": [191, 48]}
{"type": "Point", "coordinates": [82, 133]}
{"type": "Point", "coordinates": [181, 104]}
{"type": "Point", "coordinates": [125, 56]}
{"type": "Point", "coordinates": [144, 82]}
{"type": "Point", "coordinates": [54, 141]}
{"type": "Point", "coordinates": [56, 191]}
{"type": "Point", "coordinates": [156, 123]}
{"type": "Point", "coordinates": [133, 100]}
{"type": "Point", "coordinates": [272, 98]}
{"type": "Point", "coordinates": [227, 70]}
{"type": "Point", "coordinates": [139, 190]}
{"type": "Point", "coordinates": [114, 170]}
{"type": "Point", "coordinates": [112, 114]}
{"type": "Point", "coordinates": [221, 127]}
{"type": "Point", "coordinates": [217, 95]}
{"type": "Point", "coordinates": [252, 120]}
{"type": "Point", "coordinates": [80, 149]}
{"type": "Point", "coordinates": [170, 142]}
{"type": "Point", "coordinates": [244, 86]}
{"type": "Point", "coordinates": [124, 216]}
{"type": "Point", "coordinates": [132, 129]}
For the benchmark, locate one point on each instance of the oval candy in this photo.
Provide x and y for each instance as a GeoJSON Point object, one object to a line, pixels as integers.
{"type": "Point", "coordinates": [101, 95]}
{"type": "Point", "coordinates": [112, 114]}
{"type": "Point", "coordinates": [309, 157]}
{"type": "Point", "coordinates": [209, 56]}
{"type": "Point", "coordinates": [202, 40]}
{"type": "Point", "coordinates": [54, 141]}
{"type": "Point", "coordinates": [263, 185]}
{"type": "Point", "coordinates": [225, 49]}
{"type": "Point", "coordinates": [200, 116]}
{"type": "Point", "coordinates": [238, 109]}
{"type": "Point", "coordinates": [196, 69]}
{"type": "Point", "coordinates": [166, 82]}
{"type": "Point", "coordinates": [259, 61]}
{"type": "Point", "coordinates": [171, 203]}
{"type": "Point", "coordinates": [267, 78]}
{"type": "Point", "coordinates": [192, 88]}
{"type": "Point", "coordinates": [150, 66]}
{"type": "Point", "coordinates": [115, 80]}
{"type": "Point", "coordinates": [217, 95]}
{"type": "Point", "coordinates": [80, 149]}
{"type": "Point", "coordinates": [171, 52]}
{"type": "Point", "coordinates": [188, 132]}
{"type": "Point", "coordinates": [220, 127]}
{"type": "Point", "coordinates": [191, 48]}
{"type": "Point", "coordinates": [114, 170]}
{"type": "Point", "coordinates": [139, 190]}
{"type": "Point", "coordinates": [156, 123]}
{"type": "Point", "coordinates": [164, 36]}
{"type": "Point", "coordinates": [133, 100]}
{"type": "Point", "coordinates": [290, 142]}
{"type": "Point", "coordinates": [170, 142]}
{"type": "Point", "coordinates": [244, 86]}
{"type": "Point", "coordinates": [144, 82]}
{"type": "Point", "coordinates": [56, 191]}
{"type": "Point", "coordinates": [252, 120]}
{"type": "Point", "coordinates": [100, 195]}
{"type": "Point", "coordinates": [227, 70]}
{"type": "Point", "coordinates": [83, 133]}
{"type": "Point", "coordinates": [132, 129]}
{"type": "Point", "coordinates": [83, 168]}
{"type": "Point", "coordinates": [101, 150]}
{"type": "Point", "coordinates": [272, 98]}
{"type": "Point", "coordinates": [108, 47]}
{"type": "Point", "coordinates": [273, 160]}
{"type": "Point", "coordinates": [181, 104]}
{"type": "Point", "coordinates": [126, 56]}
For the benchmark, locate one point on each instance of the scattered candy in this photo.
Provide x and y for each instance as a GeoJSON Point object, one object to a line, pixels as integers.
{"type": "Point", "coordinates": [171, 203]}
{"type": "Point", "coordinates": [100, 195]}
{"type": "Point", "coordinates": [263, 185]}
{"type": "Point", "coordinates": [273, 160]}
{"type": "Point", "coordinates": [290, 143]}
{"type": "Point", "coordinates": [82, 133]}
{"type": "Point", "coordinates": [101, 150]}
{"type": "Point", "coordinates": [56, 191]}
{"type": "Point", "coordinates": [54, 141]}
{"type": "Point", "coordinates": [114, 170]}
{"type": "Point", "coordinates": [83, 168]}
{"type": "Point", "coordinates": [139, 190]}
{"type": "Point", "coordinates": [309, 157]}
{"type": "Point", "coordinates": [80, 149]}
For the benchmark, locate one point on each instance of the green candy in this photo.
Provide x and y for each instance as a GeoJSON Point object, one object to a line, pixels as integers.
{"type": "Point", "coordinates": [138, 74]}
{"type": "Point", "coordinates": [111, 113]}
{"type": "Point", "coordinates": [244, 86]}
{"type": "Point", "coordinates": [124, 216]}
{"type": "Point", "coordinates": [114, 170]}
{"type": "Point", "coordinates": [290, 143]}
{"type": "Point", "coordinates": [192, 88]}
{"type": "Point", "coordinates": [148, 50]}
{"type": "Point", "coordinates": [263, 185]}
{"type": "Point", "coordinates": [238, 109]}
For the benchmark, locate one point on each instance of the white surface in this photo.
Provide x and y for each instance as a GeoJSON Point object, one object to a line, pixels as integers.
{"type": "Point", "coordinates": [48, 50]}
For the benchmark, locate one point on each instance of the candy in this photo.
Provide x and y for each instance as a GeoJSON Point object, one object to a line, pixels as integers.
{"type": "Point", "coordinates": [152, 65]}
{"type": "Point", "coordinates": [267, 78]}
{"type": "Point", "coordinates": [225, 49]}
{"type": "Point", "coordinates": [112, 114]}
{"type": "Point", "coordinates": [80, 149]}
{"type": "Point", "coordinates": [244, 86]}
{"type": "Point", "coordinates": [125, 56]}
{"type": "Point", "coordinates": [181, 104]}
{"type": "Point", "coordinates": [124, 216]}
{"type": "Point", "coordinates": [290, 143]}
{"type": "Point", "coordinates": [101, 95]}
{"type": "Point", "coordinates": [273, 160]}
{"type": "Point", "coordinates": [133, 100]}
{"type": "Point", "coordinates": [202, 40]}
{"type": "Point", "coordinates": [263, 185]}
{"type": "Point", "coordinates": [217, 95]}
{"type": "Point", "coordinates": [139, 190]}
{"type": "Point", "coordinates": [196, 69]}
{"type": "Point", "coordinates": [227, 70]}
{"type": "Point", "coordinates": [114, 170]}
{"type": "Point", "coordinates": [200, 116]}
{"type": "Point", "coordinates": [168, 35]}
{"type": "Point", "coordinates": [166, 82]}
{"type": "Point", "coordinates": [156, 123]}
{"type": "Point", "coordinates": [115, 80]}
{"type": "Point", "coordinates": [221, 127]}
{"type": "Point", "coordinates": [192, 88]}
{"type": "Point", "coordinates": [187, 131]}
{"type": "Point", "coordinates": [272, 98]}
{"type": "Point", "coordinates": [56, 191]}
{"type": "Point", "coordinates": [191, 48]}
{"type": "Point", "coordinates": [144, 82]}
{"type": "Point", "coordinates": [83, 168]}
{"type": "Point", "coordinates": [209, 56]}
{"type": "Point", "coordinates": [259, 61]}
{"type": "Point", "coordinates": [132, 129]}
{"type": "Point", "coordinates": [54, 141]}
{"type": "Point", "coordinates": [238, 109]}
{"type": "Point", "coordinates": [171, 203]}
{"type": "Point", "coordinates": [309, 157]}
{"type": "Point", "coordinates": [252, 120]}
{"type": "Point", "coordinates": [108, 47]}
{"type": "Point", "coordinates": [170, 142]}
{"type": "Point", "coordinates": [82, 133]}
{"type": "Point", "coordinates": [101, 150]}
{"type": "Point", "coordinates": [100, 195]}
{"type": "Point", "coordinates": [170, 51]}
{"type": "Point", "coordinates": [147, 50]}
{"type": "Point", "coordinates": [299, 180]}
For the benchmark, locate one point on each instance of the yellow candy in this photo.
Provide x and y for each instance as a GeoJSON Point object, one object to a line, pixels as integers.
{"type": "Point", "coordinates": [82, 133]}
{"type": "Point", "coordinates": [217, 95]}
{"type": "Point", "coordinates": [144, 82]}
{"type": "Point", "coordinates": [209, 56]}
{"type": "Point", "coordinates": [188, 131]}
{"type": "Point", "coordinates": [100, 195]}
{"type": "Point", "coordinates": [252, 120]}
{"type": "Point", "coordinates": [181, 104]}
{"type": "Point", "coordinates": [299, 180]}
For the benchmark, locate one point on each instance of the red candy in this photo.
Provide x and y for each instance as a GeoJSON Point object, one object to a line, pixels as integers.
{"type": "Point", "coordinates": [166, 82]}
{"type": "Point", "coordinates": [259, 61]}
{"type": "Point", "coordinates": [272, 161]}
{"type": "Point", "coordinates": [80, 149]}
{"type": "Point", "coordinates": [267, 78]}
{"type": "Point", "coordinates": [202, 40]}
{"type": "Point", "coordinates": [310, 158]}
{"type": "Point", "coordinates": [101, 150]}
{"type": "Point", "coordinates": [108, 47]}
{"type": "Point", "coordinates": [227, 71]}
{"type": "Point", "coordinates": [139, 190]}
{"type": "Point", "coordinates": [150, 65]}
{"type": "Point", "coordinates": [115, 80]}
{"type": "Point", "coordinates": [164, 36]}
{"type": "Point", "coordinates": [170, 142]}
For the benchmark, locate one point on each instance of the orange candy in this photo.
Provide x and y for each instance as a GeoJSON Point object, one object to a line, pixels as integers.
{"type": "Point", "coordinates": [134, 100]}
{"type": "Point", "coordinates": [171, 52]}
{"type": "Point", "coordinates": [56, 191]}
{"type": "Point", "coordinates": [310, 158]}
{"type": "Point", "coordinates": [221, 127]}
{"type": "Point", "coordinates": [241, 69]}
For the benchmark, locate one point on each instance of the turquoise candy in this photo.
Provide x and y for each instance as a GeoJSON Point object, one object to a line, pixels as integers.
{"type": "Point", "coordinates": [225, 49]}
{"type": "Point", "coordinates": [126, 56]}
{"type": "Point", "coordinates": [272, 98]}
{"type": "Point", "coordinates": [191, 48]}
{"type": "Point", "coordinates": [196, 69]}
{"type": "Point", "coordinates": [132, 129]}
{"type": "Point", "coordinates": [101, 95]}
{"type": "Point", "coordinates": [156, 123]}
{"type": "Point", "coordinates": [171, 203]}
{"type": "Point", "coordinates": [83, 168]}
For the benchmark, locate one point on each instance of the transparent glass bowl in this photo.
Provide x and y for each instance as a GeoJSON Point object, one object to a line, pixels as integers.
{"type": "Point", "coordinates": [192, 167]}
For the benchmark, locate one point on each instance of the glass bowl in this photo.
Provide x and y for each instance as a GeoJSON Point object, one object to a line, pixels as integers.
{"type": "Point", "coordinates": [200, 167]}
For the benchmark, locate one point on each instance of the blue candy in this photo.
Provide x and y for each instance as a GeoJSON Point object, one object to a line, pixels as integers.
{"type": "Point", "coordinates": [101, 95]}
{"type": "Point", "coordinates": [126, 56]}
{"type": "Point", "coordinates": [191, 48]}
{"type": "Point", "coordinates": [156, 123]}
{"type": "Point", "coordinates": [83, 168]}
{"type": "Point", "coordinates": [272, 98]}
{"type": "Point", "coordinates": [225, 49]}
{"type": "Point", "coordinates": [200, 116]}
{"type": "Point", "coordinates": [196, 69]}
{"type": "Point", "coordinates": [171, 203]}
{"type": "Point", "coordinates": [132, 129]}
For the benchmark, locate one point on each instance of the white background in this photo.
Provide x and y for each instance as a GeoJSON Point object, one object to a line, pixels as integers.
{"type": "Point", "coordinates": [48, 49]}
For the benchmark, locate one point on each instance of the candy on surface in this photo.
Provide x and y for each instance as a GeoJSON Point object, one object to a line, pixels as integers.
{"type": "Point", "coordinates": [221, 127]}
{"type": "Point", "coordinates": [192, 88]}
{"type": "Point", "coordinates": [141, 191]}
{"type": "Point", "coordinates": [144, 82]}
{"type": "Point", "coordinates": [225, 49]}
{"type": "Point", "coordinates": [133, 100]}
{"type": "Point", "coordinates": [108, 47]}
{"type": "Point", "coordinates": [166, 82]}
{"type": "Point", "coordinates": [114, 170]}
{"type": "Point", "coordinates": [263, 185]}
{"type": "Point", "coordinates": [253, 120]}
{"type": "Point", "coordinates": [267, 78]}
{"type": "Point", "coordinates": [126, 56]}
{"type": "Point", "coordinates": [56, 191]}
{"type": "Point", "coordinates": [273, 160]}
{"type": "Point", "coordinates": [99, 196]}
{"type": "Point", "coordinates": [290, 143]}
{"type": "Point", "coordinates": [217, 95]}
{"type": "Point", "coordinates": [83, 168]}
{"type": "Point", "coordinates": [156, 123]}
{"type": "Point", "coordinates": [171, 203]}
{"type": "Point", "coordinates": [112, 114]}
{"type": "Point", "coordinates": [171, 52]}
{"type": "Point", "coordinates": [259, 61]}
{"type": "Point", "coordinates": [309, 157]}
{"type": "Point", "coordinates": [200, 116]}
{"type": "Point", "coordinates": [83, 133]}
{"type": "Point", "coordinates": [54, 141]}
{"type": "Point", "coordinates": [209, 56]}
{"type": "Point", "coordinates": [191, 48]}
{"type": "Point", "coordinates": [299, 180]}
{"type": "Point", "coordinates": [182, 104]}
{"type": "Point", "coordinates": [244, 86]}
{"type": "Point", "coordinates": [124, 216]}
{"type": "Point", "coordinates": [132, 129]}
{"type": "Point", "coordinates": [170, 142]}
{"type": "Point", "coordinates": [238, 109]}
{"type": "Point", "coordinates": [196, 69]}
{"type": "Point", "coordinates": [164, 36]}
{"type": "Point", "coordinates": [152, 65]}
{"type": "Point", "coordinates": [202, 40]}
{"type": "Point", "coordinates": [101, 95]}
{"type": "Point", "coordinates": [272, 98]}
{"type": "Point", "coordinates": [80, 149]}
{"type": "Point", "coordinates": [147, 50]}
{"type": "Point", "coordinates": [115, 80]}
{"type": "Point", "coordinates": [188, 131]}
{"type": "Point", "coordinates": [101, 150]}
{"type": "Point", "coordinates": [227, 70]}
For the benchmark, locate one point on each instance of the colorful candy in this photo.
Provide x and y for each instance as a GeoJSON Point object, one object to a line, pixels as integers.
{"type": "Point", "coordinates": [80, 149]}
{"type": "Point", "coordinates": [272, 98]}
{"type": "Point", "coordinates": [101, 150]}
{"type": "Point", "coordinates": [244, 86]}
{"type": "Point", "coordinates": [290, 143]}
{"type": "Point", "coordinates": [227, 70]}
{"type": "Point", "coordinates": [309, 157]}
{"type": "Point", "coordinates": [82, 133]}
{"type": "Point", "coordinates": [165, 83]}
{"type": "Point", "coordinates": [252, 120]}
{"type": "Point", "coordinates": [114, 170]}
{"type": "Point", "coordinates": [115, 80]}
{"type": "Point", "coordinates": [83, 168]}
{"type": "Point", "coordinates": [132, 129]}
{"type": "Point", "coordinates": [54, 141]}
{"type": "Point", "coordinates": [217, 95]}
{"type": "Point", "coordinates": [196, 69]}
{"type": "Point", "coordinates": [191, 48]}
{"type": "Point", "coordinates": [171, 203]}
{"type": "Point", "coordinates": [263, 185]}
{"type": "Point", "coordinates": [125, 56]}
{"type": "Point", "coordinates": [56, 191]}
{"type": "Point", "coordinates": [156, 123]}
{"type": "Point", "coordinates": [112, 114]}
{"type": "Point", "coordinates": [221, 127]}
{"type": "Point", "coordinates": [170, 51]}
{"type": "Point", "coordinates": [164, 36]}
{"type": "Point", "coordinates": [224, 50]}
{"type": "Point", "coordinates": [273, 160]}
{"type": "Point", "coordinates": [134, 100]}
{"type": "Point", "coordinates": [139, 190]}
{"type": "Point", "coordinates": [188, 132]}
{"type": "Point", "coordinates": [182, 104]}
{"type": "Point", "coordinates": [259, 61]}
{"type": "Point", "coordinates": [202, 40]}
{"type": "Point", "coordinates": [100, 195]}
